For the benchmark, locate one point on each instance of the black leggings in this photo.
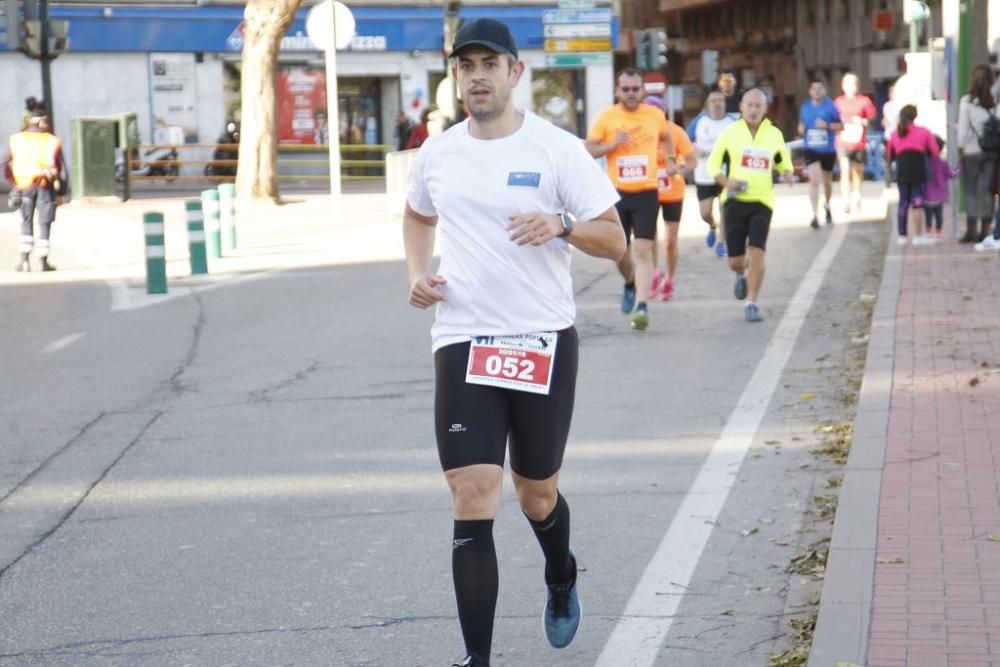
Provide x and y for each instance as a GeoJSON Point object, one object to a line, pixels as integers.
{"type": "Point", "coordinates": [473, 421]}
{"type": "Point", "coordinates": [935, 215]}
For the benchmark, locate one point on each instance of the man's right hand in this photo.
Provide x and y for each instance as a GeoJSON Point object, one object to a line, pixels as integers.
{"type": "Point", "coordinates": [424, 291]}
{"type": "Point", "coordinates": [621, 138]}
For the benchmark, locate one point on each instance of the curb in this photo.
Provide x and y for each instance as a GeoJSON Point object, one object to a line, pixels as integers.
{"type": "Point", "coordinates": [845, 611]}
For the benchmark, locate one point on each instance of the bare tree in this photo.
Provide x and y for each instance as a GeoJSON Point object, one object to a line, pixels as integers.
{"type": "Point", "coordinates": [265, 24]}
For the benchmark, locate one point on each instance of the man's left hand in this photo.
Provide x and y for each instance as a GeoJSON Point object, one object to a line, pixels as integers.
{"type": "Point", "coordinates": [534, 228]}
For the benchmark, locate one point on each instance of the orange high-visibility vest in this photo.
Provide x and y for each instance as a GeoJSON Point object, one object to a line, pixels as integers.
{"type": "Point", "coordinates": [32, 156]}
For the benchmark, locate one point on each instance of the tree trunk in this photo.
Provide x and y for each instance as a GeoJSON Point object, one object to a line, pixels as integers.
{"type": "Point", "coordinates": [265, 24]}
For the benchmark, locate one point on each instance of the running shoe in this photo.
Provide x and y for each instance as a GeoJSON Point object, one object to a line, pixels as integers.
{"type": "Point", "coordinates": [654, 289]}
{"type": "Point", "coordinates": [710, 239]}
{"type": "Point", "coordinates": [628, 299]}
{"type": "Point", "coordinates": [720, 250]}
{"type": "Point", "coordinates": [923, 240]}
{"type": "Point", "coordinates": [470, 661]}
{"type": "Point", "coordinates": [668, 290]}
{"type": "Point", "coordinates": [752, 313]}
{"type": "Point", "coordinates": [641, 318]}
{"type": "Point", "coordinates": [902, 240]}
{"type": "Point", "coordinates": [988, 244]}
{"type": "Point", "coordinates": [740, 288]}
{"type": "Point", "coordinates": [829, 216]}
{"type": "Point", "coordinates": [563, 612]}
{"type": "Point", "coordinates": [814, 223]}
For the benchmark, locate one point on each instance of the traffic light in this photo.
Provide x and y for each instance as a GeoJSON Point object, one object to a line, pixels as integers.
{"type": "Point", "coordinates": [644, 49]}
{"type": "Point", "coordinates": [658, 49]}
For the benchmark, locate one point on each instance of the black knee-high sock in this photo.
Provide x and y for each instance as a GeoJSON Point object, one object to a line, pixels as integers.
{"type": "Point", "coordinates": [553, 535]}
{"type": "Point", "coordinates": [474, 569]}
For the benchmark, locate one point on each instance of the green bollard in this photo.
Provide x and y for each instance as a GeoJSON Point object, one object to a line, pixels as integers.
{"type": "Point", "coordinates": [227, 217]}
{"type": "Point", "coordinates": [213, 233]}
{"type": "Point", "coordinates": [156, 257]}
{"type": "Point", "coordinates": [196, 237]}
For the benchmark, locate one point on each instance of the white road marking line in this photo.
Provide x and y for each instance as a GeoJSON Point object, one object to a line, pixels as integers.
{"type": "Point", "coordinates": [650, 611]}
{"type": "Point", "coordinates": [61, 343]}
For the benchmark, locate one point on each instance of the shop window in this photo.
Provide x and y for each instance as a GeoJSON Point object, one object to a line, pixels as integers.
{"type": "Point", "coordinates": [557, 96]}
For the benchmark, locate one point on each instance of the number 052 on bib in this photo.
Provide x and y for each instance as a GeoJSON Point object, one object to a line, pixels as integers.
{"type": "Point", "coordinates": [522, 363]}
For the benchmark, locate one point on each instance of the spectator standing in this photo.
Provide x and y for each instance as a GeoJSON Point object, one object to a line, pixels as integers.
{"type": "Point", "coordinates": [975, 107]}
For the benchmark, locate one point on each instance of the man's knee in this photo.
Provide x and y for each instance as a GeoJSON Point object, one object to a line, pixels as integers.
{"type": "Point", "coordinates": [537, 498]}
{"type": "Point", "coordinates": [643, 249]}
{"type": "Point", "coordinates": [475, 490]}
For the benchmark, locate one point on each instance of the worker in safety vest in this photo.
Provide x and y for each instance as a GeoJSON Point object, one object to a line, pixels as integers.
{"type": "Point", "coordinates": [36, 168]}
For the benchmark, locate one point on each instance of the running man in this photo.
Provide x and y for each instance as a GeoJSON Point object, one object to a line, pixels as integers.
{"type": "Point", "coordinates": [754, 149]}
{"type": "Point", "coordinates": [856, 111]}
{"type": "Point", "coordinates": [670, 191]}
{"type": "Point", "coordinates": [630, 135]}
{"type": "Point", "coordinates": [511, 193]}
{"type": "Point", "coordinates": [818, 122]}
{"type": "Point", "coordinates": [707, 134]}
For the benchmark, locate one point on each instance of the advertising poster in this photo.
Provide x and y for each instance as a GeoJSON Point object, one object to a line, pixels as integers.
{"type": "Point", "coordinates": [173, 95]}
{"type": "Point", "coordinates": [301, 98]}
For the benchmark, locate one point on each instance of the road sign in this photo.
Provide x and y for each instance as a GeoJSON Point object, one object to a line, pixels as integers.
{"type": "Point", "coordinates": [577, 45]}
{"type": "Point", "coordinates": [598, 15]}
{"type": "Point", "coordinates": [577, 30]}
{"type": "Point", "coordinates": [558, 60]}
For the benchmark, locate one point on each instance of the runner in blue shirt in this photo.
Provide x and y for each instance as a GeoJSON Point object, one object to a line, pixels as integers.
{"type": "Point", "coordinates": [819, 120]}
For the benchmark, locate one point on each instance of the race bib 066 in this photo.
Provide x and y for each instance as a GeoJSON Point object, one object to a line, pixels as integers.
{"type": "Point", "coordinates": [632, 168]}
{"type": "Point", "coordinates": [523, 363]}
{"type": "Point", "coordinates": [756, 159]}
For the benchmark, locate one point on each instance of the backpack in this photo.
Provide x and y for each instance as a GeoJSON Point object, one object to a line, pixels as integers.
{"type": "Point", "coordinates": [989, 140]}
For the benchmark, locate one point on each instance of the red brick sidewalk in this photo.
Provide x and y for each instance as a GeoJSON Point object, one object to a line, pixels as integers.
{"type": "Point", "coordinates": [937, 573]}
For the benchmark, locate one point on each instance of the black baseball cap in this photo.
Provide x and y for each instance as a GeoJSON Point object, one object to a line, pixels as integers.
{"type": "Point", "coordinates": [490, 33]}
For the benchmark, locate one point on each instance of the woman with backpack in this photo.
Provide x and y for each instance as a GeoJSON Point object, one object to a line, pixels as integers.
{"type": "Point", "coordinates": [978, 126]}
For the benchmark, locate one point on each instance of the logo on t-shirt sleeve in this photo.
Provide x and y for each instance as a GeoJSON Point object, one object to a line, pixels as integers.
{"type": "Point", "coordinates": [523, 179]}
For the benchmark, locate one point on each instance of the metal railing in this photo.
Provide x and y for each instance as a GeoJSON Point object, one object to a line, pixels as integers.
{"type": "Point", "coordinates": [197, 162]}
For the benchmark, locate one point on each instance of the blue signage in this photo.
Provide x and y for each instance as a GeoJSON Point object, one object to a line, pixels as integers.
{"type": "Point", "coordinates": [212, 29]}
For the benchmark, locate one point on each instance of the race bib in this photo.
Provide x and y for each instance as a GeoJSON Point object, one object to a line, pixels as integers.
{"type": "Point", "coordinates": [632, 168]}
{"type": "Point", "coordinates": [523, 363]}
{"type": "Point", "coordinates": [852, 134]}
{"type": "Point", "coordinates": [756, 159]}
{"type": "Point", "coordinates": [663, 182]}
{"type": "Point", "coordinates": [817, 138]}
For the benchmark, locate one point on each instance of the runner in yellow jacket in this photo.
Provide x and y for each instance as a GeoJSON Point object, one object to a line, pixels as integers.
{"type": "Point", "coordinates": [752, 149]}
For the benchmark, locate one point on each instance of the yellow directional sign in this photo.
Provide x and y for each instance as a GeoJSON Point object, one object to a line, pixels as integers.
{"type": "Point", "coordinates": [577, 45]}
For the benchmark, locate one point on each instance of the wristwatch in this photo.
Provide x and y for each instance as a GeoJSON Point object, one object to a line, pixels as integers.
{"type": "Point", "coordinates": [567, 223]}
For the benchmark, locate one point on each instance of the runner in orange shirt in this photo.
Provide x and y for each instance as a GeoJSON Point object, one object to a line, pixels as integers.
{"type": "Point", "coordinates": [630, 135]}
{"type": "Point", "coordinates": [671, 197]}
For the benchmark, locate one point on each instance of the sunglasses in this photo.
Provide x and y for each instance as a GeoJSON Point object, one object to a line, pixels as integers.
{"type": "Point", "coordinates": [630, 89]}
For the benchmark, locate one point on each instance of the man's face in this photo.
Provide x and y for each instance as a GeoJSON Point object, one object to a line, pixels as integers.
{"type": "Point", "coordinates": [630, 91]}
{"type": "Point", "coordinates": [716, 105]}
{"type": "Point", "coordinates": [753, 107]}
{"type": "Point", "coordinates": [849, 84]}
{"type": "Point", "coordinates": [817, 91]}
{"type": "Point", "coordinates": [486, 80]}
{"type": "Point", "coordinates": [727, 83]}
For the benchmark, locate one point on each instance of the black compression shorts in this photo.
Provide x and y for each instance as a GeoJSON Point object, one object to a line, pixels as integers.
{"type": "Point", "coordinates": [826, 160]}
{"type": "Point", "coordinates": [672, 211]}
{"type": "Point", "coordinates": [746, 222]}
{"type": "Point", "coordinates": [473, 422]}
{"type": "Point", "coordinates": [637, 211]}
{"type": "Point", "coordinates": [708, 191]}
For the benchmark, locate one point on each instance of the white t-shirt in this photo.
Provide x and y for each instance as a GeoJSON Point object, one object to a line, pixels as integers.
{"type": "Point", "coordinates": [496, 287]}
{"type": "Point", "coordinates": [706, 133]}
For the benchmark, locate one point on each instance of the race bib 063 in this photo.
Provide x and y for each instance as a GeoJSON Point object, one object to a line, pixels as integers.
{"type": "Point", "coordinates": [520, 362]}
{"type": "Point", "coordinates": [632, 168]}
{"type": "Point", "coordinates": [756, 159]}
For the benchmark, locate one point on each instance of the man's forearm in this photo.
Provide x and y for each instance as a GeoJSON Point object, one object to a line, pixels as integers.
{"type": "Point", "coordinates": [600, 237]}
{"type": "Point", "coordinates": [418, 243]}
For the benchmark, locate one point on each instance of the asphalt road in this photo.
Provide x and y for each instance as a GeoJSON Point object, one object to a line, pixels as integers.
{"type": "Point", "coordinates": [247, 475]}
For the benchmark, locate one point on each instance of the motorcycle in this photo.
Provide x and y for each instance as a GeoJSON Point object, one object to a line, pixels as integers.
{"type": "Point", "coordinates": [160, 161]}
{"type": "Point", "coordinates": [225, 149]}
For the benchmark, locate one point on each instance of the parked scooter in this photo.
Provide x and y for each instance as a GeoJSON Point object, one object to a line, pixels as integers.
{"type": "Point", "coordinates": [225, 149]}
{"type": "Point", "coordinates": [160, 161]}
